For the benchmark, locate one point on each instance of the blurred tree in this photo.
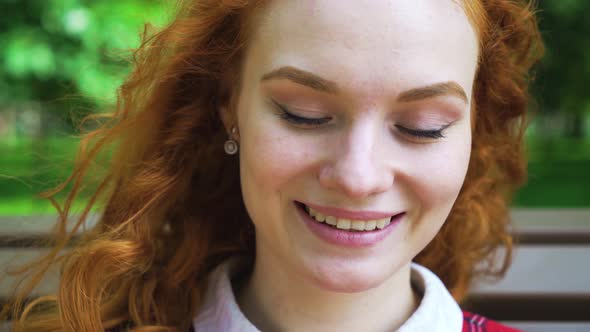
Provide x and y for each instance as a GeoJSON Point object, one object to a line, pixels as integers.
{"type": "Point", "coordinates": [59, 60]}
{"type": "Point", "coordinates": [55, 48]}
{"type": "Point", "coordinates": [564, 74]}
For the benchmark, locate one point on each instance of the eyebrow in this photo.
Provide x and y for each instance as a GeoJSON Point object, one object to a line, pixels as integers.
{"type": "Point", "coordinates": [449, 88]}
{"type": "Point", "coordinates": [313, 81]}
{"type": "Point", "coordinates": [304, 78]}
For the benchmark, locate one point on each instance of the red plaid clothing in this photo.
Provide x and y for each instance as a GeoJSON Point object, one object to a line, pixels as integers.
{"type": "Point", "coordinates": [476, 323]}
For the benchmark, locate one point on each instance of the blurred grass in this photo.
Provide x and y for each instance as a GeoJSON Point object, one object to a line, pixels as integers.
{"type": "Point", "coordinates": [559, 174]}
{"type": "Point", "coordinates": [28, 167]}
{"type": "Point", "coordinates": [559, 183]}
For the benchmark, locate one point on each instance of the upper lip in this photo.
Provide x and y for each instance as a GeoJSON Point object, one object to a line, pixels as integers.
{"type": "Point", "coordinates": [350, 214]}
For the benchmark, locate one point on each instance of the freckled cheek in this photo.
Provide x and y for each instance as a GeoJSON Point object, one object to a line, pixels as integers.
{"type": "Point", "coordinates": [271, 159]}
{"type": "Point", "coordinates": [439, 176]}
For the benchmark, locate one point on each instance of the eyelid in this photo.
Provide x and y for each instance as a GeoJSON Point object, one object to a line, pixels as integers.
{"type": "Point", "coordinates": [298, 120]}
{"type": "Point", "coordinates": [289, 110]}
{"type": "Point", "coordinates": [424, 134]}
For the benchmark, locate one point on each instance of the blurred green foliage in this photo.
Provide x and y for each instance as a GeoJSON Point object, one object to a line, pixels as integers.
{"type": "Point", "coordinates": [563, 78]}
{"type": "Point", "coordinates": [59, 60]}
{"type": "Point", "coordinates": [65, 57]}
{"type": "Point", "coordinates": [51, 48]}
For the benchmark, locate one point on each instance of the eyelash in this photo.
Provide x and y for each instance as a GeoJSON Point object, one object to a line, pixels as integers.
{"type": "Point", "coordinates": [432, 134]}
{"type": "Point", "coordinates": [298, 120]}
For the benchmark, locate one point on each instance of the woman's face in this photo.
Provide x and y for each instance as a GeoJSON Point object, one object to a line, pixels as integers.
{"type": "Point", "coordinates": [360, 109]}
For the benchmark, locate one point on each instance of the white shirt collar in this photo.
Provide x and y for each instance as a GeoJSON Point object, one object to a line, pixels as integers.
{"type": "Point", "coordinates": [437, 312]}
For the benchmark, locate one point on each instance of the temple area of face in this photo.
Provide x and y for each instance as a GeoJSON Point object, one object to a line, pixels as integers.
{"type": "Point", "coordinates": [318, 83]}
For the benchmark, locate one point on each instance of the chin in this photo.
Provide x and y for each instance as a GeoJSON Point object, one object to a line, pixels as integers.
{"type": "Point", "coordinates": [348, 279]}
{"type": "Point", "coordinates": [346, 286]}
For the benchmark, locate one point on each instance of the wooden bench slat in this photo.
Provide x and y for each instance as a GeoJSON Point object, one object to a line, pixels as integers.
{"type": "Point", "coordinates": [539, 269]}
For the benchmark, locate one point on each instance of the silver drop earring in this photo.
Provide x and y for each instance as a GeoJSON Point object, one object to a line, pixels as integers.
{"type": "Point", "coordinates": [231, 145]}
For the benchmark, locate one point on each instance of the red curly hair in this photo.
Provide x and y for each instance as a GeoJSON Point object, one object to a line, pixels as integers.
{"type": "Point", "coordinates": [157, 236]}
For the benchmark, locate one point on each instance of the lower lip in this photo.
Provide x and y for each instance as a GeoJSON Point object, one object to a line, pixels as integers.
{"type": "Point", "coordinates": [345, 238]}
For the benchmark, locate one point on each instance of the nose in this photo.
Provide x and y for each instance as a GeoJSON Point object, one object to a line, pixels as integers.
{"type": "Point", "coordinates": [358, 167]}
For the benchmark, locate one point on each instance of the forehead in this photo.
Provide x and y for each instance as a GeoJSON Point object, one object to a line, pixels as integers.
{"type": "Point", "coordinates": [376, 42]}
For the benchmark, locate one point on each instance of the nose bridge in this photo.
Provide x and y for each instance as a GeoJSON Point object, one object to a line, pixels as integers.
{"type": "Point", "coordinates": [358, 147]}
{"type": "Point", "coordinates": [356, 169]}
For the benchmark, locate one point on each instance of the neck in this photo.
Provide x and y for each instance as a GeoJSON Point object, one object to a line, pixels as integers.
{"type": "Point", "coordinates": [289, 303]}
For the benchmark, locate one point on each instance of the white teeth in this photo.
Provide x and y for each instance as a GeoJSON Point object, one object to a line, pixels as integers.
{"type": "Point", "coordinates": [347, 224]}
{"type": "Point", "coordinates": [343, 224]}
{"type": "Point", "coordinates": [331, 221]}
{"type": "Point", "coordinates": [381, 223]}
{"type": "Point", "coordinates": [358, 225]}
{"type": "Point", "coordinates": [311, 211]}
{"type": "Point", "coordinates": [320, 217]}
{"type": "Point", "coordinates": [371, 225]}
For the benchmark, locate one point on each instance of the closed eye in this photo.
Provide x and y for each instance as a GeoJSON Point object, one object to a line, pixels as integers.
{"type": "Point", "coordinates": [292, 118]}
{"type": "Point", "coordinates": [429, 134]}
{"type": "Point", "coordinates": [299, 120]}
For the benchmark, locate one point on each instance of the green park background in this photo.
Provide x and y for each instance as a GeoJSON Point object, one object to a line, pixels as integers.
{"type": "Point", "coordinates": [63, 59]}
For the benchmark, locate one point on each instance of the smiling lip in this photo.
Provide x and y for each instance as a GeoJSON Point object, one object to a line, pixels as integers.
{"type": "Point", "coordinates": [346, 238]}
{"type": "Point", "coordinates": [348, 214]}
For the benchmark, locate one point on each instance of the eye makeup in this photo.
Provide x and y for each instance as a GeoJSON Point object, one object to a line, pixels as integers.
{"type": "Point", "coordinates": [428, 134]}
{"type": "Point", "coordinates": [298, 120]}
{"type": "Point", "coordinates": [313, 122]}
